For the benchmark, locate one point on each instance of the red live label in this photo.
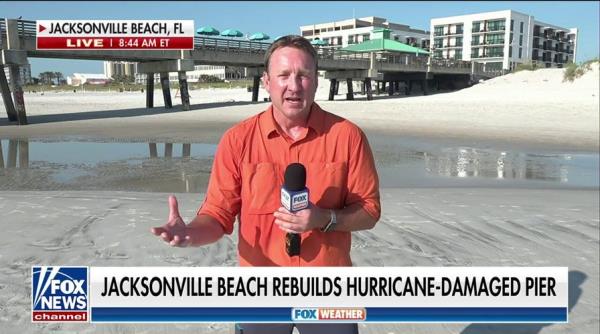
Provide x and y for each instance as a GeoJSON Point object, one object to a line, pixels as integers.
{"type": "Point", "coordinates": [73, 43]}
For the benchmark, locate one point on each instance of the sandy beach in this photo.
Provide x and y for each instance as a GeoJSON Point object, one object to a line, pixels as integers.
{"type": "Point", "coordinates": [450, 220]}
{"type": "Point", "coordinates": [532, 108]}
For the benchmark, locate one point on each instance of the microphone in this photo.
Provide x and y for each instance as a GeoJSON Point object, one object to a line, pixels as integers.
{"type": "Point", "coordinates": [294, 197]}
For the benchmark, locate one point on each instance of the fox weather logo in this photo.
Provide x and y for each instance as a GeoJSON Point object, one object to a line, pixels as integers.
{"type": "Point", "coordinates": [59, 294]}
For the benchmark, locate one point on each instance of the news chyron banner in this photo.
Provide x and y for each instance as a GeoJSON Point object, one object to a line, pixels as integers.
{"type": "Point", "coordinates": [316, 294]}
{"type": "Point", "coordinates": [115, 34]}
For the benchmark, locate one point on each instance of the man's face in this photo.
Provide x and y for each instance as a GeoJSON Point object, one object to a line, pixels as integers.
{"type": "Point", "coordinates": [291, 80]}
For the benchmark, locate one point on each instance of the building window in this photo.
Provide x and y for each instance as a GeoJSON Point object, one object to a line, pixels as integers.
{"type": "Point", "coordinates": [438, 30]}
{"type": "Point", "coordinates": [437, 54]}
{"type": "Point", "coordinates": [520, 40]}
{"type": "Point", "coordinates": [494, 39]}
{"type": "Point", "coordinates": [496, 25]}
{"type": "Point", "coordinates": [497, 51]}
{"type": "Point", "coordinates": [475, 40]}
{"type": "Point", "coordinates": [512, 25]}
{"type": "Point", "coordinates": [459, 41]}
{"type": "Point", "coordinates": [350, 39]}
{"type": "Point", "coordinates": [520, 52]}
{"type": "Point", "coordinates": [438, 43]}
{"type": "Point", "coordinates": [458, 54]}
{"type": "Point", "coordinates": [459, 29]}
{"type": "Point", "coordinates": [476, 27]}
{"type": "Point", "coordinates": [475, 53]}
{"type": "Point", "coordinates": [510, 50]}
{"type": "Point", "coordinates": [366, 37]}
{"type": "Point", "coordinates": [521, 28]}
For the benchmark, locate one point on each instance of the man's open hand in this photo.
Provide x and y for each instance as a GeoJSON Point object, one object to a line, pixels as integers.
{"type": "Point", "coordinates": [174, 231]}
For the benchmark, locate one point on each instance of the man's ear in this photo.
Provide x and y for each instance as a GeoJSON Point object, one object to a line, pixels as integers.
{"type": "Point", "coordinates": [265, 80]}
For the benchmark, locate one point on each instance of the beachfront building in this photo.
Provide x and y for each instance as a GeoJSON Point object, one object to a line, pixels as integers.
{"type": "Point", "coordinates": [200, 73]}
{"type": "Point", "coordinates": [120, 68]}
{"type": "Point", "coordinates": [502, 39]}
{"type": "Point", "coordinates": [24, 74]}
{"type": "Point", "coordinates": [78, 79]}
{"type": "Point", "coordinates": [354, 31]}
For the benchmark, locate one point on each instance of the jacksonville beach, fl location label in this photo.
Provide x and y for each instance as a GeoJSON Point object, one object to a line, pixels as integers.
{"type": "Point", "coordinates": [115, 34]}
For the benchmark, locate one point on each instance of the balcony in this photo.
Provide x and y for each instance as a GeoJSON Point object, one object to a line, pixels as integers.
{"type": "Point", "coordinates": [499, 42]}
{"type": "Point", "coordinates": [495, 29]}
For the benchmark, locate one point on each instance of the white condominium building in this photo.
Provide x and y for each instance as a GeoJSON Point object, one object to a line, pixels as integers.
{"type": "Point", "coordinates": [122, 68]}
{"type": "Point", "coordinates": [502, 39]}
{"type": "Point", "coordinates": [353, 31]}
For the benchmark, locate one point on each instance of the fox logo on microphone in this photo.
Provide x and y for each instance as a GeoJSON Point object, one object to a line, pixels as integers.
{"type": "Point", "coordinates": [59, 294]}
{"type": "Point", "coordinates": [294, 200]}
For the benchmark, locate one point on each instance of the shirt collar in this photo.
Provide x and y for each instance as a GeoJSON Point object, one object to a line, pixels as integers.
{"type": "Point", "coordinates": [316, 120]}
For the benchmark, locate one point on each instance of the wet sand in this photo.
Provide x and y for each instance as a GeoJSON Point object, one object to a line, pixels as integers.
{"type": "Point", "coordinates": [418, 227]}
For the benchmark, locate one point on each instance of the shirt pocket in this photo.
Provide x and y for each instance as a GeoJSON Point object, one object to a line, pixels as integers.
{"type": "Point", "coordinates": [261, 190]}
{"type": "Point", "coordinates": [327, 183]}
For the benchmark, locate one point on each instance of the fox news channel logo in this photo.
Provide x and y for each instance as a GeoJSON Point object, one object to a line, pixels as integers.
{"type": "Point", "coordinates": [59, 294]}
{"type": "Point", "coordinates": [341, 314]}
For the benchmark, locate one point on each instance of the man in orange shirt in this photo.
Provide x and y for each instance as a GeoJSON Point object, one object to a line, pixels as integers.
{"type": "Point", "coordinates": [248, 173]}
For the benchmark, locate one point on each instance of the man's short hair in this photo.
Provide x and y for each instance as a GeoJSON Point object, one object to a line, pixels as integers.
{"type": "Point", "coordinates": [293, 41]}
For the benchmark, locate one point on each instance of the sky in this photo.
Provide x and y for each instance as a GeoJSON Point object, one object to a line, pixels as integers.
{"type": "Point", "coordinates": [278, 18]}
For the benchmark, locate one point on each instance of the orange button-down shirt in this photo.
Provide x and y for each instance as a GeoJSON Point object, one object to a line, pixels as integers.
{"type": "Point", "coordinates": [247, 176]}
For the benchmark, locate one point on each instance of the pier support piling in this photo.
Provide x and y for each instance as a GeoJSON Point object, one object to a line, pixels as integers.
{"type": "Point", "coordinates": [164, 83]}
{"type": "Point", "coordinates": [12, 154]}
{"type": "Point", "coordinates": [368, 89]}
{"type": "Point", "coordinates": [8, 102]}
{"type": "Point", "coordinates": [186, 150]}
{"type": "Point", "coordinates": [183, 90]}
{"type": "Point", "coordinates": [23, 153]}
{"type": "Point", "coordinates": [17, 90]}
{"type": "Point", "coordinates": [255, 87]}
{"type": "Point", "coordinates": [350, 94]}
{"type": "Point", "coordinates": [150, 90]}
{"type": "Point", "coordinates": [168, 150]}
{"type": "Point", "coordinates": [153, 150]}
{"type": "Point", "coordinates": [332, 88]}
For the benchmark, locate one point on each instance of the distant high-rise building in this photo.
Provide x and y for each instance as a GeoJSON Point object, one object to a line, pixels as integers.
{"type": "Point", "coordinates": [353, 31]}
{"type": "Point", "coordinates": [122, 68]}
{"type": "Point", "coordinates": [503, 39]}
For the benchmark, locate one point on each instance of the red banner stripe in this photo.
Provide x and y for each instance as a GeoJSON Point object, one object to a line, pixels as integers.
{"type": "Point", "coordinates": [118, 43]}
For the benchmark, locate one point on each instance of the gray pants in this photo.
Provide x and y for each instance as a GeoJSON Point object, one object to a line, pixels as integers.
{"type": "Point", "coordinates": [302, 328]}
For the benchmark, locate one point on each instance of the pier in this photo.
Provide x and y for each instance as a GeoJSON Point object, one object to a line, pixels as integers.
{"type": "Point", "coordinates": [385, 71]}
